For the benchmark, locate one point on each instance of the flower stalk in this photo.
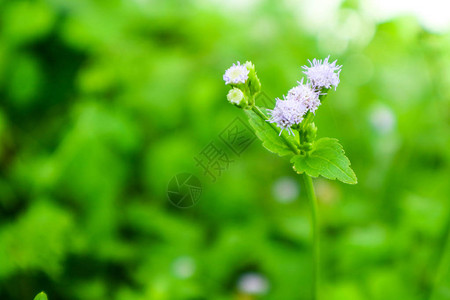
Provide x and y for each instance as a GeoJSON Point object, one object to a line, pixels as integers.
{"type": "Point", "coordinates": [295, 114]}
{"type": "Point", "coordinates": [315, 235]}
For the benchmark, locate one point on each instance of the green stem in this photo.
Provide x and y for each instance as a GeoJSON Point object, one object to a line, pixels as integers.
{"type": "Point", "coordinates": [307, 119]}
{"type": "Point", "coordinates": [291, 145]}
{"type": "Point", "coordinates": [312, 201]}
{"type": "Point", "coordinates": [315, 233]}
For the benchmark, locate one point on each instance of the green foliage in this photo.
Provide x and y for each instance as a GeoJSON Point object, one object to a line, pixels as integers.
{"type": "Point", "coordinates": [324, 157]}
{"type": "Point", "coordinates": [103, 102]}
{"type": "Point", "coordinates": [43, 228]}
{"type": "Point", "coordinates": [327, 159]}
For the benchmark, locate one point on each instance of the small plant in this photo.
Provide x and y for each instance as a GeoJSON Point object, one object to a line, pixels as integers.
{"type": "Point", "coordinates": [288, 129]}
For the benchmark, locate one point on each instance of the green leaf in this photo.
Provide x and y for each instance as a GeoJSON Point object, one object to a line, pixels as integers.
{"type": "Point", "coordinates": [328, 160]}
{"type": "Point", "coordinates": [270, 138]}
{"type": "Point", "coordinates": [41, 296]}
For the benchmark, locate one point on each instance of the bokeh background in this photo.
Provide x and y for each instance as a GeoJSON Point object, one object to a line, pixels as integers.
{"type": "Point", "coordinates": [103, 102]}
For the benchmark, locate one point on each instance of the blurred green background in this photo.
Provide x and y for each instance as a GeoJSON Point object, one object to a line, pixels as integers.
{"type": "Point", "coordinates": [103, 102]}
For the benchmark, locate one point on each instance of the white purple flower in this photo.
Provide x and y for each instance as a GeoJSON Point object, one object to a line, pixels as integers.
{"type": "Point", "coordinates": [323, 74]}
{"type": "Point", "coordinates": [305, 94]}
{"type": "Point", "coordinates": [287, 112]}
{"type": "Point", "coordinates": [236, 74]}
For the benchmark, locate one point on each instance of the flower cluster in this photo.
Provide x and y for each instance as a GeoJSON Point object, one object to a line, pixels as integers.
{"type": "Point", "coordinates": [244, 83]}
{"type": "Point", "coordinates": [236, 74]}
{"type": "Point", "coordinates": [305, 94]}
{"type": "Point", "coordinates": [323, 74]}
{"type": "Point", "coordinates": [287, 112]}
{"type": "Point", "coordinates": [304, 97]}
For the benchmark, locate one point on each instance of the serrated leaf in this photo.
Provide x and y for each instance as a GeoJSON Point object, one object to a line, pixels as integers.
{"type": "Point", "coordinates": [328, 160]}
{"type": "Point", "coordinates": [41, 296]}
{"type": "Point", "coordinates": [270, 138]}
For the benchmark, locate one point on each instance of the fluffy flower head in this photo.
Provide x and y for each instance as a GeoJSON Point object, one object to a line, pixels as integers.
{"type": "Point", "coordinates": [323, 74]}
{"type": "Point", "coordinates": [286, 113]}
{"type": "Point", "coordinates": [236, 74]}
{"type": "Point", "coordinates": [305, 94]}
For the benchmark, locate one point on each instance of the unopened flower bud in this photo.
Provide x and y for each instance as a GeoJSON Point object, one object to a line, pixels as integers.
{"type": "Point", "coordinates": [237, 97]}
{"type": "Point", "coordinates": [311, 132]}
{"type": "Point", "coordinates": [253, 81]}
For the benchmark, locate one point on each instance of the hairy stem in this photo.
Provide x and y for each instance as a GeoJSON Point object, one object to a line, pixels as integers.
{"type": "Point", "coordinates": [315, 233]}
{"type": "Point", "coordinates": [291, 145]}
{"type": "Point", "coordinates": [309, 116]}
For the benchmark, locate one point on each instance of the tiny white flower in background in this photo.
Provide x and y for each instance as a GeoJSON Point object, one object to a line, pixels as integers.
{"type": "Point", "coordinates": [253, 284]}
{"type": "Point", "coordinates": [286, 113]}
{"type": "Point", "coordinates": [323, 74]}
{"type": "Point", "coordinates": [236, 74]}
{"type": "Point", "coordinates": [285, 190]}
{"type": "Point", "coordinates": [306, 94]}
{"type": "Point", "coordinates": [235, 96]}
{"type": "Point", "coordinates": [183, 267]}
{"type": "Point", "coordinates": [382, 119]}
